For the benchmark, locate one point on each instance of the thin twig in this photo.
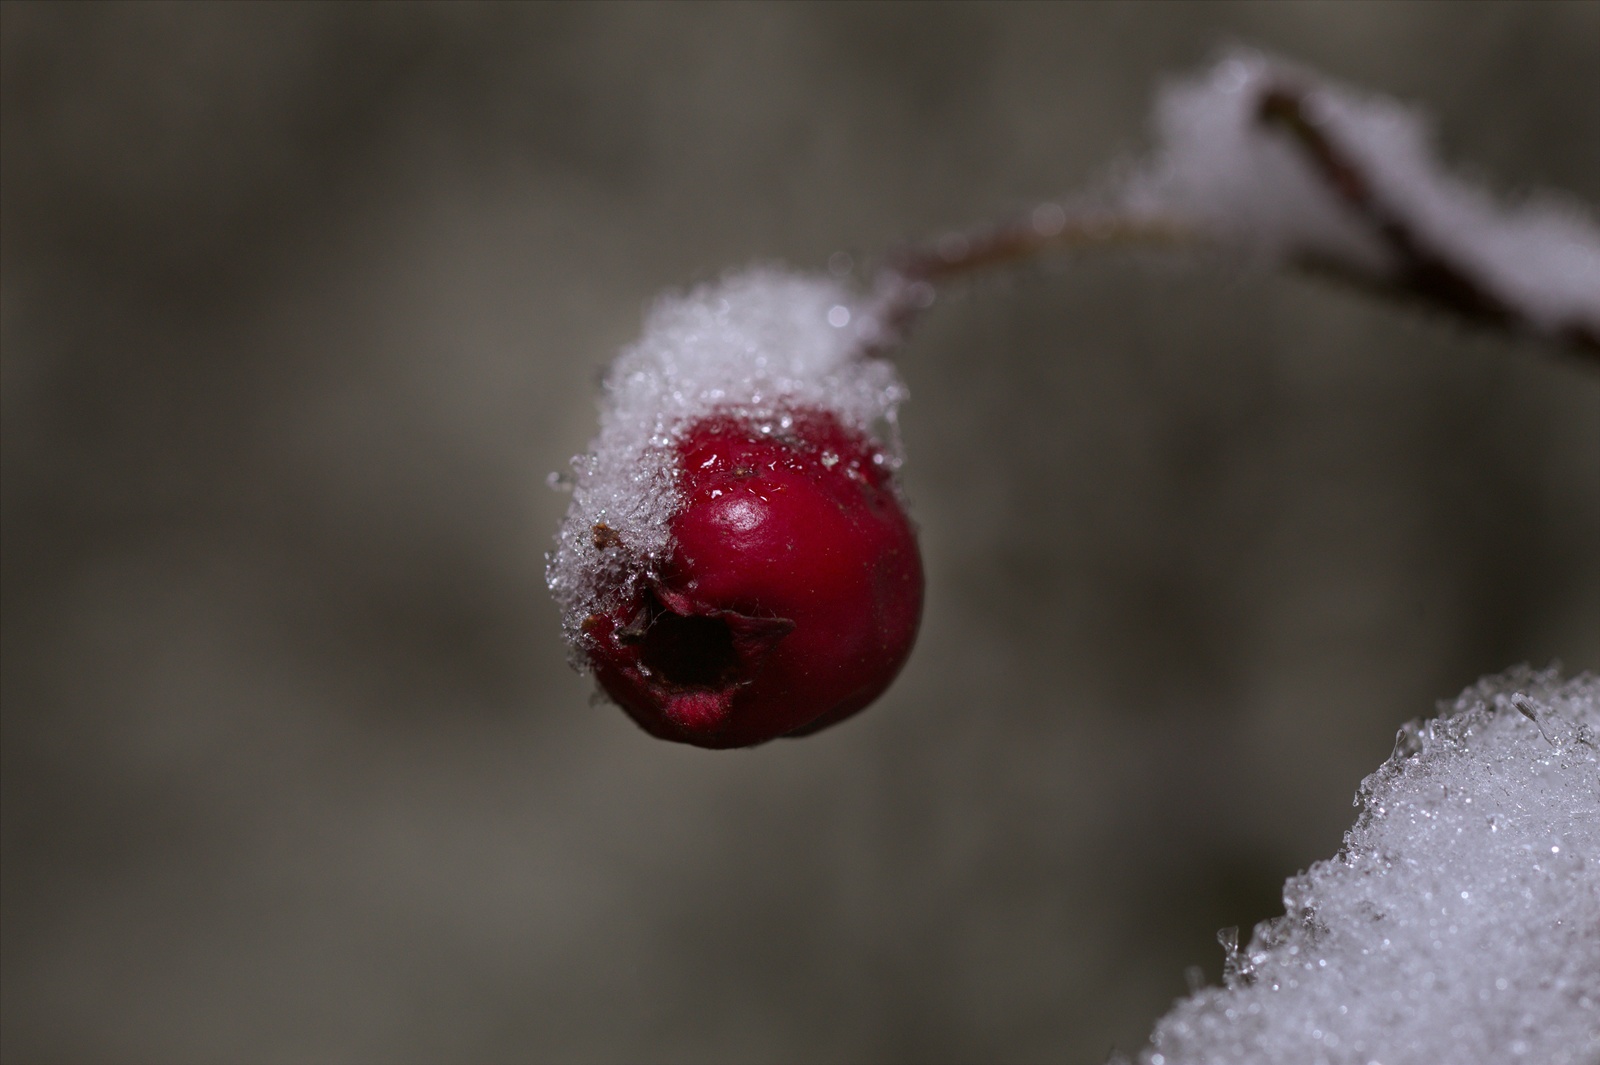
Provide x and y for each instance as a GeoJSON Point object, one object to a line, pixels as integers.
{"type": "Point", "coordinates": [1422, 272]}
{"type": "Point", "coordinates": [908, 277]}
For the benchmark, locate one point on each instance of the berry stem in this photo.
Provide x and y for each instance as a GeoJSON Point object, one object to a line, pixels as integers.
{"type": "Point", "coordinates": [909, 277]}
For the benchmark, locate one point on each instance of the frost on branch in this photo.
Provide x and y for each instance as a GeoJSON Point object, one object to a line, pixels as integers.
{"type": "Point", "coordinates": [1460, 922]}
{"type": "Point", "coordinates": [756, 345]}
{"type": "Point", "coordinates": [1268, 157]}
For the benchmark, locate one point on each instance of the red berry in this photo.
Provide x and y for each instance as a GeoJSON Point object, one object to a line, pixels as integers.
{"type": "Point", "coordinates": [791, 597]}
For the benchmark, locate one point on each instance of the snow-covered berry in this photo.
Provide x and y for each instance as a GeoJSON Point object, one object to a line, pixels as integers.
{"type": "Point", "coordinates": [737, 563]}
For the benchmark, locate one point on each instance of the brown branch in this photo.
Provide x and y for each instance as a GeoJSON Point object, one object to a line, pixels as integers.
{"type": "Point", "coordinates": [910, 274]}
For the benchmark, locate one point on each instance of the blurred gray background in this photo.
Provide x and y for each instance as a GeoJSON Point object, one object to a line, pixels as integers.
{"type": "Point", "coordinates": [302, 303]}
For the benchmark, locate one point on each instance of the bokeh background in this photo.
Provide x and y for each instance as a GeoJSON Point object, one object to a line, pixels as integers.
{"type": "Point", "coordinates": [302, 303]}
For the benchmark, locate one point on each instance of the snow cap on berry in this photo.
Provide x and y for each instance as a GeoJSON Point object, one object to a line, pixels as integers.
{"type": "Point", "coordinates": [757, 345]}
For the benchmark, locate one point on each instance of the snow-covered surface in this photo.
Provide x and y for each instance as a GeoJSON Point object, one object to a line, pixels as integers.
{"type": "Point", "coordinates": [757, 344]}
{"type": "Point", "coordinates": [1218, 167]}
{"type": "Point", "coordinates": [1460, 923]}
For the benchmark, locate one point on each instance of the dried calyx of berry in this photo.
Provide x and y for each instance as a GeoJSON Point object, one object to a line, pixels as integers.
{"type": "Point", "coordinates": [737, 564]}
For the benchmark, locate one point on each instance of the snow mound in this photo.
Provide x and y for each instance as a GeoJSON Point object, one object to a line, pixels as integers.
{"type": "Point", "coordinates": [1460, 922]}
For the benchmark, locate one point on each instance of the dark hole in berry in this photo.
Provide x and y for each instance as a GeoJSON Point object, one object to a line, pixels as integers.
{"type": "Point", "coordinates": [689, 652]}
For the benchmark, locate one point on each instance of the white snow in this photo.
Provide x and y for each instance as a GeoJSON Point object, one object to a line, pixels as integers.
{"type": "Point", "coordinates": [758, 344]}
{"type": "Point", "coordinates": [1219, 168]}
{"type": "Point", "coordinates": [1459, 924]}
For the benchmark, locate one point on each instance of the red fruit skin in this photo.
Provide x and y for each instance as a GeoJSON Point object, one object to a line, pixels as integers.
{"type": "Point", "coordinates": [792, 596]}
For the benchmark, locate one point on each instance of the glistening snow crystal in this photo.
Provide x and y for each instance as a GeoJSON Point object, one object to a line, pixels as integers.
{"type": "Point", "coordinates": [1460, 923]}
